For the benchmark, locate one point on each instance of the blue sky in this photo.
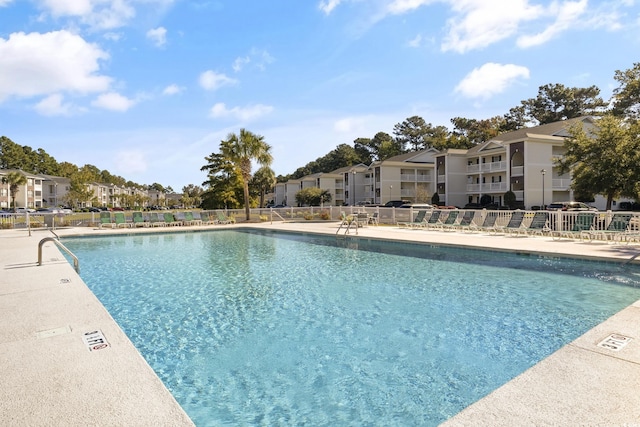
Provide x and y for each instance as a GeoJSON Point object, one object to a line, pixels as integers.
{"type": "Point", "coordinates": [147, 88]}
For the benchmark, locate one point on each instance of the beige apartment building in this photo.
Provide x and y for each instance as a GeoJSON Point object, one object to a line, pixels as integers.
{"type": "Point", "coordinates": [522, 161]}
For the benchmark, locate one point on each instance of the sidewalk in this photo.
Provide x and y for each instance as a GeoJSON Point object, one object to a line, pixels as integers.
{"type": "Point", "coordinates": [50, 377]}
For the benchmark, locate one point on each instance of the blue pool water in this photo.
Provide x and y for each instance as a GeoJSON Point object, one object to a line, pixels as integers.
{"type": "Point", "coordinates": [256, 328]}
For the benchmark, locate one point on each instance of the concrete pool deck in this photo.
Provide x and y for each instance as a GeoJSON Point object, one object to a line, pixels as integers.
{"type": "Point", "coordinates": [50, 320]}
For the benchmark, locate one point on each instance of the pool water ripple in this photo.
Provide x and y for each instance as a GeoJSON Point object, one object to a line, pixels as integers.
{"type": "Point", "coordinates": [260, 329]}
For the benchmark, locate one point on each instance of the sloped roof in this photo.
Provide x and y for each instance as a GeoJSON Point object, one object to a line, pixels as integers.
{"type": "Point", "coordinates": [558, 129]}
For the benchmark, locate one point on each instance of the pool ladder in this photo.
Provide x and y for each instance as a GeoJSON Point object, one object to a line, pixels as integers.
{"type": "Point", "coordinates": [348, 225]}
{"type": "Point", "coordinates": [76, 263]}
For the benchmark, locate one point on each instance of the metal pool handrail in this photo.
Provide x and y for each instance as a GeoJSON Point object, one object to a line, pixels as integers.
{"type": "Point", "coordinates": [76, 263]}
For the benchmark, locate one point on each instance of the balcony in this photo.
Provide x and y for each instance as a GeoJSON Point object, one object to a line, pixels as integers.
{"type": "Point", "coordinates": [492, 187]}
{"type": "Point", "coordinates": [561, 184]}
{"type": "Point", "coordinates": [415, 178]}
{"type": "Point", "coordinates": [494, 167]}
{"type": "Point", "coordinates": [406, 192]}
{"type": "Point", "coordinates": [442, 179]}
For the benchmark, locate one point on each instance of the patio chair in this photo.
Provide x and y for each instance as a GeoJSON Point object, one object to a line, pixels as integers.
{"type": "Point", "coordinates": [417, 221]}
{"type": "Point", "coordinates": [170, 220]}
{"type": "Point", "coordinates": [155, 220]}
{"type": "Point", "coordinates": [449, 222]}
{"type": "Point", "coordinates": [374, 219]}
{"type": "Point", "coordinates": [105, 220]}
{"type": "Point", "coordinates": [223, 219]}
{"type": "Point", "coordinates": [121, 220]}
{"type": "Point", "coordinates": [207, 219]}
{"type": "Point", "coordinates": [362, 219]}
{"type": "Point", "coordinates": [488, 224]}
{"type": "Point", "coordinates": [515, 221]}
{"type": "Point", "coordinates": [433, 220]}
{"type": "Point", "coordinates": [138, 220]}
{"type": "Point", "coordinates": [618, 225]}
{"type": "Point", "coordinates": [466, 222]}
{"type": "Point", "coordinates": [538, 225]}
{"type": "Point", "coordinates": [583, 223]}
{"type": "Point", "coordinates": [191, 219]}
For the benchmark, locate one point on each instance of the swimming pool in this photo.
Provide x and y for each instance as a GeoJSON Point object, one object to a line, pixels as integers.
{"type": "Point", "coordinates": [257, 328]}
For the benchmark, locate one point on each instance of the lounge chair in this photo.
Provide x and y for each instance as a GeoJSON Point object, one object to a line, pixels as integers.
{"type": "Point", "coordinates": [488, 224]}
{"type": "Point", "coordinates": [105, 220]}
{"type": "Point", "coordinates": [138, 220]}
{"type": "Point", "coordinates": [191, 219]}
{"type": "Point", "coordinates": [155, 220]}
{"type": "Point", "coordinates": [223, 219]}
{"type": "Point", "coordinates": [583, 222]}
{"type": "Point", "coordinates": [466, 222]}
{"type": "Point", "coordinates": [515, 221]}
{"type": "Point", "coordinates": [433, 220]}
{"type": "Point", "coordinates": [121, 220]}
{"type": "Point", "coordinates": [417, 221]}
{"type": "Point", "coordinates": [207, 219]}
{"type": "Point", "coordinates": [538, 225]}
{"type": "Point", "coordinates": [618, 225]}
{"type": "Point", "coordinates": [449, 222]}
{"type": "Point", "coordinates": [170, 220]}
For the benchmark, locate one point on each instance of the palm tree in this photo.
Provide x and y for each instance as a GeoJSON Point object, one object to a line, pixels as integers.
{"type": "Point", "coordinates": [264, 179]}
{"type": "Point", "coordinates": [15, 180]}
{"type": "Point", "coordinates": [241, 150]}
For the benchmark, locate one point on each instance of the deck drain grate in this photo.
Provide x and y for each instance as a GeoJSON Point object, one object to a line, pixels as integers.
{"type": "Point", "coordinates": [53, 332]}
{"type": "Point", "coordinates": [94, 340]}
{"type": "Point", "coordinates": [614, 342]}
{"type": "Point", "coordinates": [64, 281]}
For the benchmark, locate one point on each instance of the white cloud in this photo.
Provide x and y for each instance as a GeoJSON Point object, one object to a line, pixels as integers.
{"type": "Point", "coordinates": [131, 161]}
{"type": "Point", "coordinates": [240, 62]}
{"type": "Point", "coordinates": [490, 79]}
{"type": "Point", "coordinates": [4, 3]}
{"type": "Point", "coordinates": [251, 112]}
{"type": "Point", "coordinates": [480, 23]}
{"type": "Point", "coordinates": [41, 64]}
{"type": "Point", "coordinates": [350, 124]}
{"type": "Point", "coordinates": [97, 14]}
{"type": "Point", "coordinates": [416, 41]}
{"type": "Point", "coordinates": [397, 7]}
{"type": "Point", "coordinates": [172, 89]}
{"type": "Point", "coordinates": [210, 80]}
{"type": "Point", "coordinates": [53, 106]}
{"type": "Point", "coordinates": [113, 101]}
{"type": "Point", "coordinates": [567, 15]}
{"type": "Point", "coordinates": [327, 6]}
{"type": "Point", "coordinates": [158, 36]}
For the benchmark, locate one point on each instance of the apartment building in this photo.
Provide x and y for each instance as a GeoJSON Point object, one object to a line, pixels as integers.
{"type": "Point", "coordinates": [521, 161]}
{"type": "Point", "coordinates": [28, 195]}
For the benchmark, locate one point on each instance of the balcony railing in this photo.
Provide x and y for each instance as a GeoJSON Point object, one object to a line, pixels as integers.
{"type": "Point", "coordinates": [416, 178]}
{"type": "Point", "coordinates": [561, 184]}
{"type": "Point", "coordinates": [491, 187]}
{"type": "Point", "coordinates": [441, 179]}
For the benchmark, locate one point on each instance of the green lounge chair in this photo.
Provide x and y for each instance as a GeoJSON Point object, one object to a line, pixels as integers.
{"type": "Point", "coordinates": [138, 220]}
{"type": "Point", "coordinates": [206, 218]}
{"type": "Point", "coordinates": [583, 222]}
{"type": "Point", "coordinates": [120, 220]}
{"type": "Point", "coordinates": [105, 220]}
{"type": "Point", "coordinates": [155, 220]}
{"type": "Point", "coordinates": [616, 228]}
{"type": "Point", "coordinates": [191, 219]}
{"type": "Point", "coordinates": [538, 225]}
{"type": "Point", "coordinates": [170, 220]}
{"type": "Point", "coordinates": [433, 220]}
{"type": "Point", "coordinates": [515, 221]}
{"type": "Point", "coordinates": [466, 222]}
{"type": "Point", "coordinates": [450, 221]}
{"type": "Point", "coordinates": [223, 219]}
{"type": "Point", "coordinates": [488, 224]}
{"type": "Point", "coordinates": [417, 221]}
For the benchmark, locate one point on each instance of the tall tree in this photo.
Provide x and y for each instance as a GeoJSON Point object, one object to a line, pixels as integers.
{"type": "Point", "coordinates": [469, 132]}
{"type": "Point", "coordinates": [603, 160]}
{"type": "Point", "coordinates": [626, 97]}
{"type": "Point", "coordinates": [556, 102]}
{"type": "Point", "coordinates": [364, 150]}
{"type": "Point", "coordinates": [385, 146]}
{"type": "Point", "coordinates": [241, 150]}
{"type": "Point", "coordinates": [14, 180]}
{"type": "Point", "coordinates": [411, 132]}
{"type": "Point", "coordinates": [12, 155]}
